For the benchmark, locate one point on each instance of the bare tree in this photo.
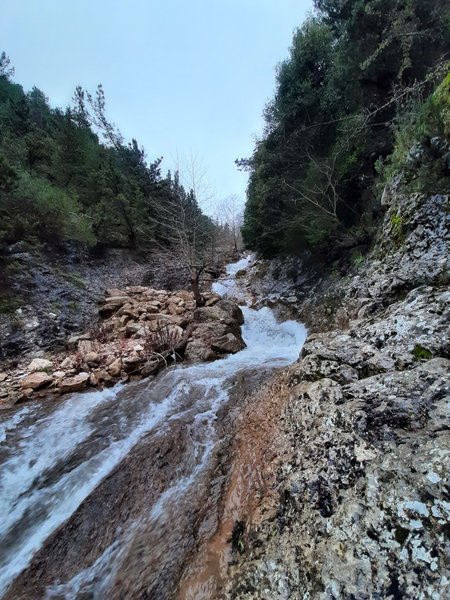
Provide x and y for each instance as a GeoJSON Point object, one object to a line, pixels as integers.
{"type": "Point", "coordinates": [323, 192]}
{"type": "Point", "coordinates": [184, 235]}
{"type": "Point", "coordinates": [188, 238]}
{"type": "Point", "coordinates": [230, 218]}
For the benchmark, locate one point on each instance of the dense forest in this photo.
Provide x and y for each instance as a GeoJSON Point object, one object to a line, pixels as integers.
{"type": "Point", "coordinates": [364, 95]}
{"type": "Point", "coordinates": [67, 176]}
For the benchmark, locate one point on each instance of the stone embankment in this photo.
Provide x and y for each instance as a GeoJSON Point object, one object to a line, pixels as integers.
{"type": "Point", "coordinates": [140, 330]}
{"type": "Point", "coordinates": [355, 501]}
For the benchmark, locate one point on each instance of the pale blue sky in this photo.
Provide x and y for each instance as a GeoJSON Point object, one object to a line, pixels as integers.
{"type": "Point", "coordinates": [181, 76]}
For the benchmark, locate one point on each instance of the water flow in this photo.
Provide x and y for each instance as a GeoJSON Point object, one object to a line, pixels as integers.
{"type": "Point", "coordinates": [55, 455]}
{"type": "Point", "coordinates": [228, 285]}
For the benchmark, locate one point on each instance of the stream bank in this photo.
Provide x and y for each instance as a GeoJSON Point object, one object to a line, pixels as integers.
{"type": "Point", "coordinates": [358, 505]}
{"type": "Point", "coordinates": [108, 493]}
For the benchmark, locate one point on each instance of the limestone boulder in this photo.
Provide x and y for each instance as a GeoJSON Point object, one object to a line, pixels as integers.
{"type": "Point", "coordinates": [185, 295]}
{"type": "Point", "coordinates": [114, 292]}
{"type": "Point", "coordinates": [36, 381]}
{"type": "Point", "coordinates": [228, 344]}
{"type": "Point", "coordinates": [198, 350]}
{"type": "Point", "coordinates": [133, 329]}
{"type": "Point", "coordinates": [40, 364]}
{"type": "Point", "coordinates": [115, 368]}
{"type": "Point", "coordinates": [224, 311]}
{"type": "Point", "coordinates": [74, 384]}
{"type": "Point", "coordinates": [86, 347]}
{"type": "Point", "coordinates": [67, 363]}
{"type": "Point", "coordinates": [91, 359]}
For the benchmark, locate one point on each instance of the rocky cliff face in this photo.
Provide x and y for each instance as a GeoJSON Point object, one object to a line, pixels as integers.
{"type": "Point", "coordinates": [410, 251]}
{"type": "Point", "coordinates": [361, 505]}
{"type": "Point", "coordinates": [45, 298]}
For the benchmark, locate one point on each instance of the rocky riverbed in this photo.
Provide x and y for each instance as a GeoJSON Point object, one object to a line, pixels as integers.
{"type": "Point", "coordinates": [328, 479]}
{"type": "Point", "coordinates": [107, 493]}
{"type": "Point", "coordinates": [140, 331]}
{"type": "Point", "coordinates": [358, 505]}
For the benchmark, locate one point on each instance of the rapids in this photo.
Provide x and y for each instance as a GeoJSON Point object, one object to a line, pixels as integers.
{"type": "Point", "coordinates": [102, 494]}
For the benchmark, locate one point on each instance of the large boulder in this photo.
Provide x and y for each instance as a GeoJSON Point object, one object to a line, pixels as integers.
{"type": "Point", "coordinates": [223, 311]}
{"type": "Point", "coordinates": [216, 330]}
{"type": "Point", "coordinates": [40, 364]}
{"type": "Point", "coordinates": [198, 350]}
{"type": "Point", "coordinates": [74, 384]}
{"type": "Point", "coordinates": [36, 381]}
{"type": "Point", "coordinates": [228, 343]}
{"type": "Point", "coordinates": [232, 309]}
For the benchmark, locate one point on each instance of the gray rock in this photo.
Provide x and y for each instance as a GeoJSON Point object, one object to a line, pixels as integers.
{"type": "Point", "coordinates": [363, 489]}
{"type": "Point", "coordinates": [228, 343]}
{"type": "Point", "coordinates": [40, 364]}
{"type": "Point", "coordinates": [198, 350]}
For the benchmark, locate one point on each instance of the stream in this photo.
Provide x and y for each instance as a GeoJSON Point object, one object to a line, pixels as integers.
{"type": "Point", "coordinates": [105, 494]}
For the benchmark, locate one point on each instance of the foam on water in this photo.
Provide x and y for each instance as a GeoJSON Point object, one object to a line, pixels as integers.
{"type": "Point", "coordinates": [56, 462]}
{"type": "Point", "coordinates": [227, 286]}
{"type": "Point", "coordinates": [11, 424]}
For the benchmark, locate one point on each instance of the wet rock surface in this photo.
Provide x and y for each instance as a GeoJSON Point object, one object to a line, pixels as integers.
{"type": "Point", "coordinates": [153, 557]}
{"type": "Point", "coordinates": [411, 251]}
{"type": "Point", "coordinates": [117, 489]}
{"type": "Point", "coordinates": [362, 508]}
{"type": "Point", "coordinates": [50, 297]}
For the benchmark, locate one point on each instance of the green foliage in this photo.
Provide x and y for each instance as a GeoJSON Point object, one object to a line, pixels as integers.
{"type": "Point", "coordinates": [59, 183]}
{"type": "Point", "coordinates": [421, 353]}
{"type": "Point", "coordinates": [76, 280]}
{"type": "Point", "coordinates": [337, 107]}
{"type": "Point", "coordinates": [356, 258]}
{"type": "Point", "coordinates": [8, 305]}
{"type": "Point", "coordinates": [398, 228]}
{"type": "Point", "coordinates": [421, 153]}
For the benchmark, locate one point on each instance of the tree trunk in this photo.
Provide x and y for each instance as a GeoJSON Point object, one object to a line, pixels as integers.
{"type": "Point", "coordinates": [195, 285]}
{"type": "Point", "coordinates": [195, 288]}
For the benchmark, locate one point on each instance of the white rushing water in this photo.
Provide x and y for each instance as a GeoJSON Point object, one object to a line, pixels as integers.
{"type": "Point", "coordinates": [228, 285]}
{"type": "Point", "coordinates": [52, 462]}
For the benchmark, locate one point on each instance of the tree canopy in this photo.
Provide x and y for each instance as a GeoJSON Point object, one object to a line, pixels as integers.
{"type": "Point", "coordinates": [69, 176]}
{"type": "Point", "coordinates": [352, 68]}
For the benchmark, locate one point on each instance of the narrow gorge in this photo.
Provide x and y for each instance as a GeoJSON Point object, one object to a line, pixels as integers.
{"type": "Point", "coordinates": [223, 480]}
{"type": "Point", "coordinates": [225, 343]}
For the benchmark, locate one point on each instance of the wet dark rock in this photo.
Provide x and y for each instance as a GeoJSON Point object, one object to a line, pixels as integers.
{"type": "Point", "coordinates": [363, 496]}
{"type": "Point", "coordinates": [56, 296]}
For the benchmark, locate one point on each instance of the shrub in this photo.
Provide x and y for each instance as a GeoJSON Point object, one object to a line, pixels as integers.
{"type": "Point", "coordinates": [163, 339]}
{"type": "Point", "coordinates": [422, 144]}
{"type": "Point", "coordinates": [421, 353]}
